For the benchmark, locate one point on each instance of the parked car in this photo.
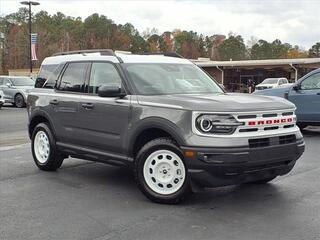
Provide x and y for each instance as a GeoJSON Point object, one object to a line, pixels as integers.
{"type": "Point", "coordinates": [15, 89]}
{"type": "Point", "coordinates": [305, 94]}
{"type": "Point", "coordinates": [163, 117]}
{"type": "Point", "coordinates": [1, 98]}
{"type": "Point", "coordinates": [271, 83]}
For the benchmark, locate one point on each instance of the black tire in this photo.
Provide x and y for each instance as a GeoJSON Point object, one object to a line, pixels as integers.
{"type": "Point", "coordinates": [55, 158]}
{"type": "Point", "coordinates": [144, 153]}
{"type": "Point", "coordinates": [263, 181]}
{"type": "Point", "coordinates": [302, 126]}
{"type": "Point", "coordinates": [19, 101]}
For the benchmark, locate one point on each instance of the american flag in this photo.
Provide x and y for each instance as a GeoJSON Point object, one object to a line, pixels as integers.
{"type": "Point", "coordinates": [34, 37]}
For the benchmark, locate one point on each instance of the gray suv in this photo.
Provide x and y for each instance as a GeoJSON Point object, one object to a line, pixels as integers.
{"type": "Point", "coordinates": [162, 116]}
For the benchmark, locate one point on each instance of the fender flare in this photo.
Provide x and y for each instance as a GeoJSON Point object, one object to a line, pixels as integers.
{"type": "Point", "coordinates": [154, 122]}
{"type": "Point", "coordinates": [40, 113]}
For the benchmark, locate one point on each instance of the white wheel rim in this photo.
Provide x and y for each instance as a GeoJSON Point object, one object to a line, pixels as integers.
{"type": "Point", "coordinates": [164, 172]}
{"type": "Point", "coordinates": [41, 146]}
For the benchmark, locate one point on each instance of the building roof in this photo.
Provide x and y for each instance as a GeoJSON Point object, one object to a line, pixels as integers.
{"type": "Point", "coordinates": [268, 62]}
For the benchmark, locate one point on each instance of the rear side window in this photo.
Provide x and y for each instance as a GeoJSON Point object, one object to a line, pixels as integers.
{"type": "Point", "coordinates": [103, 74]}
{"type": "Point", "coordinates": [1, 81]}
{"type": "Point", "coordinates": [73, 78]}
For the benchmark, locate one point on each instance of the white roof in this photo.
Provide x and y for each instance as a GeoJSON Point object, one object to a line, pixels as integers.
{"type": "Point", "coordinates": [10, 76]}
{"type": "Point", "coordinates": [126, 58]}
{"type": "Point", "coordinates": [132, 58]}
{"type": "Point", "coordinates": [256, 62]}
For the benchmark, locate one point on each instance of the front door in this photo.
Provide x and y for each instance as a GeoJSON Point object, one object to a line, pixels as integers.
{"type": "Point", "coordinates": [104, 120]}
{"type": "Point", "coordinates": [307, 99]}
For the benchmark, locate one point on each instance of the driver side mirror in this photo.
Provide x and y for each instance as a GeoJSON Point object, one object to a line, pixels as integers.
{"type": "Point", "coordinates": [297, 87]}
{"type": "Point", "coordinates": [39, 82]}
{"type": "Point", "coordinates": [111, 91]}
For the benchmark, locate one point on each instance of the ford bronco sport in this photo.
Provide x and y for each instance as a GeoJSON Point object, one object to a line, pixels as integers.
{"type": "Point", "coordinates": [162, 116]}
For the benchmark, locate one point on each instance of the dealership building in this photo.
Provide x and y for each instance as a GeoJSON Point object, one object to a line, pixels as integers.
{"type": "Point", "coordinates": [235, 74]}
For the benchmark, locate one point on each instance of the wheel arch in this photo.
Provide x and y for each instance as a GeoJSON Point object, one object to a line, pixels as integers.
{"type": "Point", "coordinates": [36, 118]}
{"type": "Point", "coordinates": [150, 129]}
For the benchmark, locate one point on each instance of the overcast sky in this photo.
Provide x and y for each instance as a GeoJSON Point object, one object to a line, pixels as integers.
{"type": "Point", "coordinates": [294, 21]}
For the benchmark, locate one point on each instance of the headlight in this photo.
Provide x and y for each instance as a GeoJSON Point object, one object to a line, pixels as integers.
{"type": "Point", "coordinates": [217, 123]}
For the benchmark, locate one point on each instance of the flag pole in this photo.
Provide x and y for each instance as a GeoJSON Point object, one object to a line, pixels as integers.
{"type": "Point", "coordinates": [30, 54]}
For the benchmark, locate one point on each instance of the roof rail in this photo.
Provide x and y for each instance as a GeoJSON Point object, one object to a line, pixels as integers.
{"type": "Point", "coordinates": [104, 52]}
{"type": "Point", "coordinates": [167, 54]}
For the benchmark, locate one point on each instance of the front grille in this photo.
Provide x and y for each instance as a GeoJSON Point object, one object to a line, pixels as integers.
{"type": "Point", "coordinates": [272, 141]}
{"type": "Point", "coordinates": [259, 142]}
{"type": "Point", "coordinates": [259, 122]}
{"type": "Point", "coordinates": [287, 139]}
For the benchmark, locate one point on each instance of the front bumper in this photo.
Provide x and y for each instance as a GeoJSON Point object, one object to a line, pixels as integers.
{"type": "Point", "coordinates": [214, 167]}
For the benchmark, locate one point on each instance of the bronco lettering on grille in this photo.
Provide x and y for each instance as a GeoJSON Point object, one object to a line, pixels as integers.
{"type": "Point", "coordinates": [271, 121]}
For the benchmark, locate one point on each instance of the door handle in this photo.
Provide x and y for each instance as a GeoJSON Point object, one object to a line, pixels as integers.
{"type": "Point", "coordinates": [318, 93]}
{"type": "Point", "coordinates": [87, 105]}
{"type": "Point", "coordinates": [54, 102]}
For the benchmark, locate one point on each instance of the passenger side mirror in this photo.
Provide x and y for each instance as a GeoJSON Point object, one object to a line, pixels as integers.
{"type": "Point", "coordinates": [296, 87]}
{"type": "Point", "coordinates": [8, 85]}
{"type": "Point", "coordinates": [111, 91]}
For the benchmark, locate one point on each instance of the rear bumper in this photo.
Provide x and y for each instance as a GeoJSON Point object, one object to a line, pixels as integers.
{"type": "Point", "coordinates": [213, 167]}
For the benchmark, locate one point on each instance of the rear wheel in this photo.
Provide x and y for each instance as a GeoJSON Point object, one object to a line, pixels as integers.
{"type": "Point", "coordinates": [19, 101]}
{"type": "Point", "coordinates": [161, 173]}
{"type": "Point", "coordinates": [44, 151]}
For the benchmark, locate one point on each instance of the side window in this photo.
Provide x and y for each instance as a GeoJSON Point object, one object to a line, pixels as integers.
{"type": "Point", "coordinates": [312, 82]}
{"type": "Point", "coordinates": [44, 74]}
{"type": "Point", "coordinates": [103, 74]}
{"type": "Point", "coordinates": [1, 81]}
{"type": "Point", "coordinates": [5, 81]}
{"type": "Point", "coordinates": [73, 79]}
{"type": "Point", "coordinates": [51, 81]}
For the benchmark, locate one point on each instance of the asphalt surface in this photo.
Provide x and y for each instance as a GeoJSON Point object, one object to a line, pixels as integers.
{"type": "Point", "coordinates": [85, 200]}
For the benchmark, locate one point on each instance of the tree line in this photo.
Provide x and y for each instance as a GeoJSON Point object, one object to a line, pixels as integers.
{"type": "Point", "coordinates": [58, 33]}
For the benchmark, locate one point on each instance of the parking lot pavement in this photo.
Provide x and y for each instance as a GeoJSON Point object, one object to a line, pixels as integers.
{"type": "Point", "coordinates": [85, 200]}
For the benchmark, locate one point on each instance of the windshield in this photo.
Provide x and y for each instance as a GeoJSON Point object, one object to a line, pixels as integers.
{"type": "Point", "coordinates": [163, 79]}
{"type": "Point", "coordinates": [270, 81]}
{"type": "Point", "coordinates": [22, 81]}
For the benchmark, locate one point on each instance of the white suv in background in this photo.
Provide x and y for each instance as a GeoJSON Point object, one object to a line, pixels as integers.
{"type": "Point", "coordinates": [272, 83]}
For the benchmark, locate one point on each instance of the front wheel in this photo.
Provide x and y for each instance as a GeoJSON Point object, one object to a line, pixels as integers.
{"type": "Point", "coordinates": [44, 151]}
{"type": "Point", "coordinates": [161, 173]}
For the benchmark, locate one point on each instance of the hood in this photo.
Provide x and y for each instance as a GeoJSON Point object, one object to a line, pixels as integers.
{"type": "Point", "coordinates": [225, 102]}
{"type": "Point", "coordinates": [24, 87]}
{"type": "Point", "coordinates": [277, 92]}
{"type": "Point", "coordinates": [266, 85]}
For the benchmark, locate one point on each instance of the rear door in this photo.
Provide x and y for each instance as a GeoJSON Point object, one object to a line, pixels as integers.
{"type": "Point", "coordinates": [65, 102]}
{"type": "Point", "coordinates": [307, 99]}
{"type": "Point", "coordinates": [104, 120]}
